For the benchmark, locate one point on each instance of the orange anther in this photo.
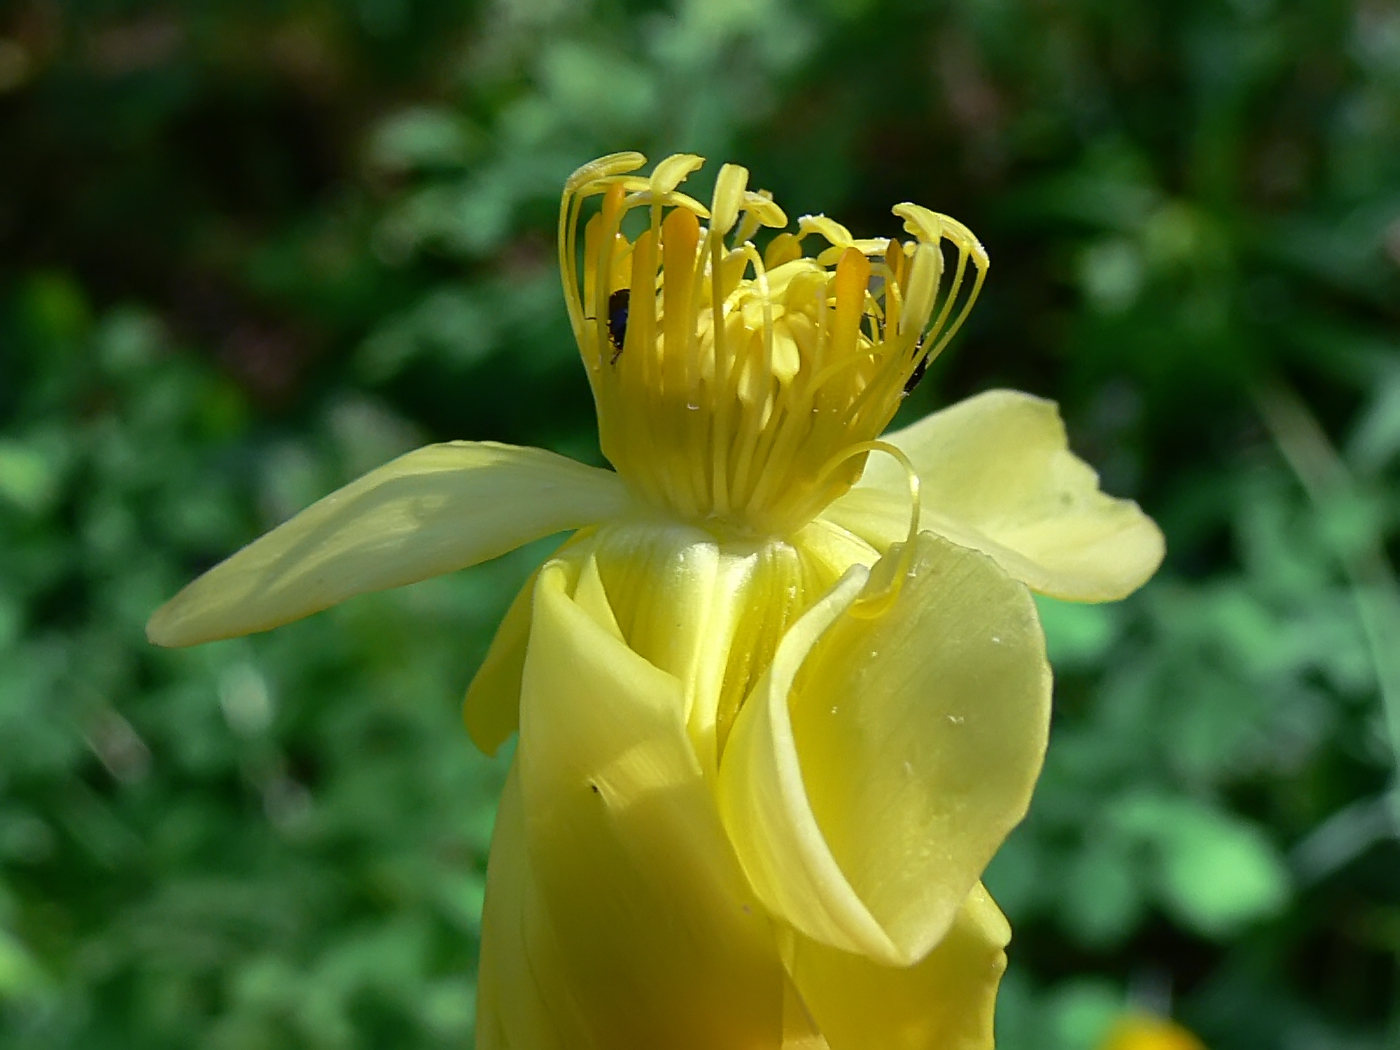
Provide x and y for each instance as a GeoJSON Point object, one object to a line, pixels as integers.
{"type": "Point", "coordinates": [641, 312]}
{"type": "Point", "coordinates": [782, 249]}
{"type": "Point", "coordinates": [852, 278]}
{"type": "Point", "coordinates": [612, 203]}
{"type": "Point", "coordinates": [680, 234]}
{"type": "Point", "coordinates": [894, 259]}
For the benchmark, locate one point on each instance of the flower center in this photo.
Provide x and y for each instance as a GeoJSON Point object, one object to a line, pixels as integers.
{"type": "Point", "coordinates": [734, 387]}
{"type": "Point", "coordinates": [709, 612]}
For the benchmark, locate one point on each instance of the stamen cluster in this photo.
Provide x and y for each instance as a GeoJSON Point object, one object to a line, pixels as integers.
{"type": "Point", "coordinates": [734, 386]}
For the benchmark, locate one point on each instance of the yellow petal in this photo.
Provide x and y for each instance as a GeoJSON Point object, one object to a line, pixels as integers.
{"type": "Point", "coordinates": [491, 709]}
{"type": "Point", "coordinates": [878, 766]}
{"type": "Point", "coordinates": [709, 613]}
{"type": "Point", "coordinates": [944, 1002]}
{"type": "Point", "coordinates": [997, 475]}
{"type": "Point", "coordinates": [836, 548]}
{"type": "Point", "coordinates": [510, 1001]}
{"type": "Point", "coordinates": [429, 512]}
{"type": "Point", "coordinates": [646, 934]}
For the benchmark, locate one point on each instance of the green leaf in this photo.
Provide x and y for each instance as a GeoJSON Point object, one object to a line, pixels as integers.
{"type": "Point", "coordinates": [1077, 636]}
{"type": "Point", "coordinates": [1215, 870]}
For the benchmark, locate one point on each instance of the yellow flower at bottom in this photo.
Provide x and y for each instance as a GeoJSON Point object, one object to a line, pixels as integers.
{"type": "Point", "coordinates": [770, 729]}
{"type": "Point", "coordinates": [1145, 1032]}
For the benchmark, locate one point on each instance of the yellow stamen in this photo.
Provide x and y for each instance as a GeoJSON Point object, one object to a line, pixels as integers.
{"type": "Point", "coordinates": [748, 385]}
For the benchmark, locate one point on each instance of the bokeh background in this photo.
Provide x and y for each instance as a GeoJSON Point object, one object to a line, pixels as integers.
{"type": "Point", "coordinates": [251, 248]}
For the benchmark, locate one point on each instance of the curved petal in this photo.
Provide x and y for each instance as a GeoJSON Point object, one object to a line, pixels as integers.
{"type": "Point", "coordinates": [514, 943]}
{"type": "Point", "coordinates": [892, 745]}
{"type": "Point", "coordinates": [836, 548]}
{"type": "Point", "coordinates": [647, 935]}
{"type": "Point", "coordinates": [709, 612]}
{"type": "Point", "coordinates": [491, 708]}
{"type": "Point", "coordinates": [946, 1001]}
{"type": "Point", "coordinates": [432, 511]}
{"type": "Point", "coordinates": [997, 475]}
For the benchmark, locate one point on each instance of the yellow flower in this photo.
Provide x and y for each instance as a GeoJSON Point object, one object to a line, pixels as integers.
{"type": "Point", "coordinates": [1145, 1032]}
{"type": "Point", "coordinates": [775, 715]}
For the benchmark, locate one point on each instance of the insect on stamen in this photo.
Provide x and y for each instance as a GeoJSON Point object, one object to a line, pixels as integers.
{"type": "Point", "coordinates": [618, 303]}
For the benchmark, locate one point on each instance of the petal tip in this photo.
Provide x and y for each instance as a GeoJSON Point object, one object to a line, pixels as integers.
{"type": "Point", "coordinates": [161, 631]}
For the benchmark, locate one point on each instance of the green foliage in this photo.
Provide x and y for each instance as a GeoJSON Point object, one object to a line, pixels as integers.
{"type": "Point", "coordinates": [249, 250]}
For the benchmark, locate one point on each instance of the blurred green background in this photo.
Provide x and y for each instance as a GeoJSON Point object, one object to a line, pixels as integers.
{"type": "Point", "coordinates": [251, 248]}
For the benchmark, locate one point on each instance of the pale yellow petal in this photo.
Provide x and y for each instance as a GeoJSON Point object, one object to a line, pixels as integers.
{"type": "Point", "coordinates": [591, 596]}
{"type": "Point", "coordinates": [429, 512]}
{"type": "Point", "coordinates": [997, 475]}
{"type": "Point", "coordinates": [709, 613]}
{"type": "Point", "coordinates": [491, 709]}
{"type": "Point", "coordinates": [837, 549]}
{"type": "Point", "coordinates": [647, 935]}
{"type": "Point", "coordinates": [511, 1011]}
{"type": "Point", "coordinates": [880, 763]}
{"type": "Point", "coordinates": [764, 804]}
{"type": "Point", "coordinates": [946, 1001]}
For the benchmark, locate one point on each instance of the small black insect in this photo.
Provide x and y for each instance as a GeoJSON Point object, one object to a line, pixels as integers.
{"type": "Point", "coordinates": [617, 320]}
{"type": "Point", "coordinates": [919, 369]}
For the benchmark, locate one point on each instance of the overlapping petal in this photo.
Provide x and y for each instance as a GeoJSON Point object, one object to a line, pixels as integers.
{"type": "Point", "coordinates": [429, 512]}
{"type": "Point", "coordinates": [888, 751]}
{"type": "Point", "coordinates": [641, 930]}
{"type": "Point", "coordinates": [997, 475]}
{"type": "Point", "coordinates": [944, 1002]}
{"type": "Point", "coordinates": [491, 709]}
{"type": "Point", "coordinates": [516, 946]}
